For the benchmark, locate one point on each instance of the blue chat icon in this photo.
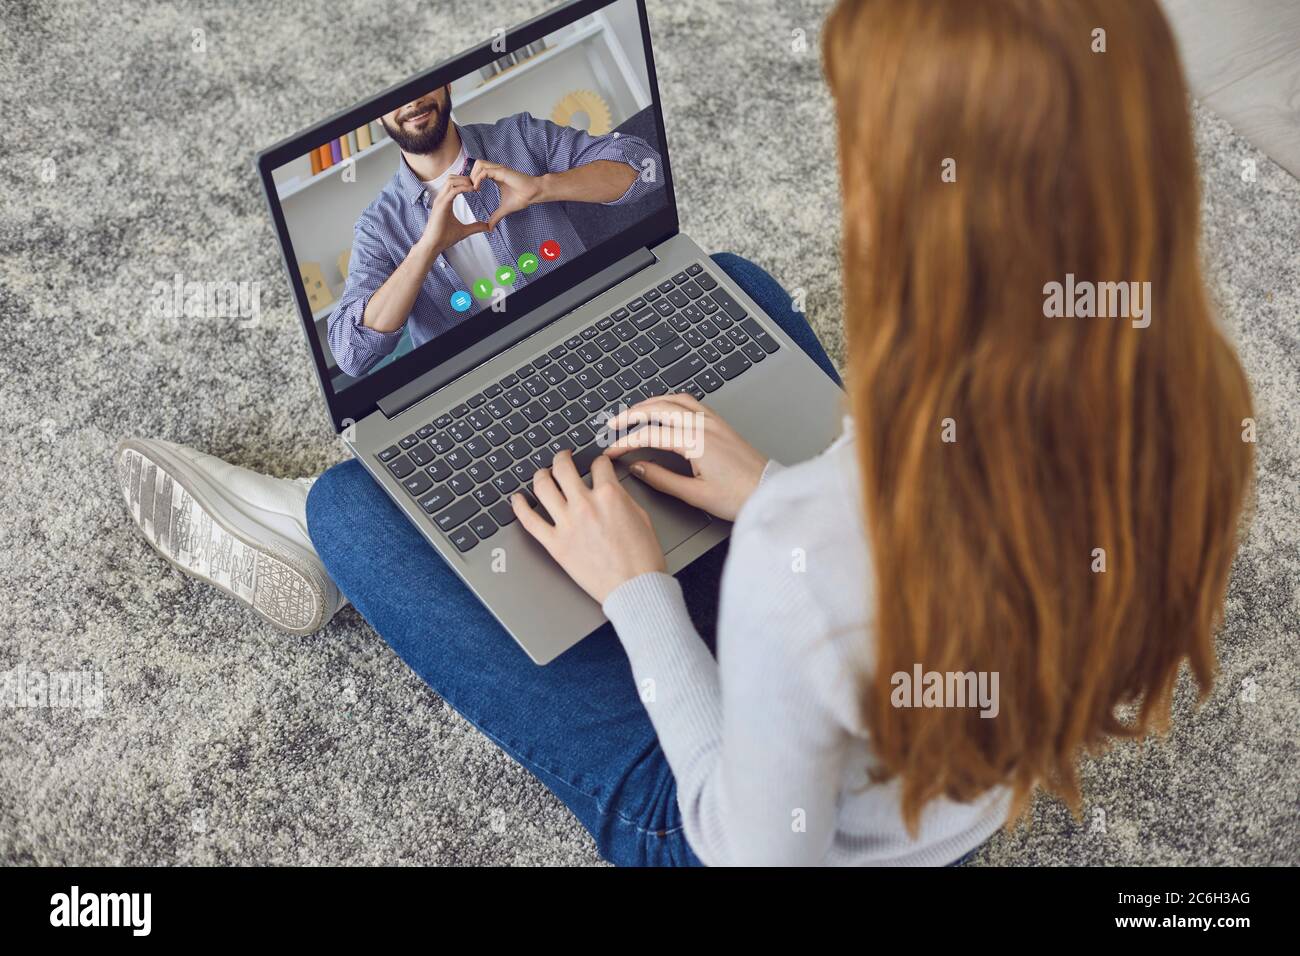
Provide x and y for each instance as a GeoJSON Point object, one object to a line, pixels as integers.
{"type": "Point", "coordinates": [461, 301]}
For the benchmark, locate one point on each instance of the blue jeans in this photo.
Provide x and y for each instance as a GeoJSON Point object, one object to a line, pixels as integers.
{"type": "Point", "coordinates": [578, 724]}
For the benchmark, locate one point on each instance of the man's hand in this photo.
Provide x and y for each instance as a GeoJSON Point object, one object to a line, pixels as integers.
{"type": "Point", "coordinates": [726, 468]}
{"type": "Point", "coordinates": [443, 229]}
{"type": "Point", "coordinates": [518, 190]}
{"type": "Point", "coordinates": [601, 537]}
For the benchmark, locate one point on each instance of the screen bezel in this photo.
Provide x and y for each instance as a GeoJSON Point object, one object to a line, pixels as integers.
{"type": "Point", "coordinates": [354, 403]}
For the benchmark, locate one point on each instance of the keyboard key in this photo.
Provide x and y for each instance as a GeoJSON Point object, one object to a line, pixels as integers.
{"type": "Point", "coordinates": [437, 499]}
{"type": "Point", "coordinates": [694, 270]}
{"type": "Point", "coordinates": [474, 401]}
{"type": "Point", "coordinates": [401, 467]}
{"type": "Point", "coordinates": [590, 332]}
{"type": "Point", "coordinates": [438, 471]}
{"type": "Point", "coordinates": [492, 391]}
{"type": "Point", "coordinates": [479, 472]}
{"type": "Point", "coordinates": [574, 414]}
{"type": "Point", "coordinates": [556, 352]}
{"type": "Point", "coordinates": [410, 441]}
{"type": "Point", "coordinates": [505, 483]}
{"type": "Point", "coordinates": [679, 323]}
{"type": "Point", "coordinates": [554, 375]}
{"type": "Point", "coordinates": [754, 351]}
{"type": "Point", "coordinates": [605, 323]}
{"type": "Point", "coordinates": [497, 435]}
{"type": "Point", "coordinates": [479, 420]}
{"type": "Point", "coordinates": [708, 380]}
{"type": "Point", "coordinates": [535, 386]}
{"type": "Point", "coordinates": [723, 344]}
{"type": "Point", "coordinates": [459, 411]}
{"type": "Point", "coordinates": [624, 331]}
{"type": "Point", "coordinates": [678, 298]}
{"type": "Point", "coordinates": [666, 286]}
{"type": "Point", "coordinates": [766, 341]}
{"type": "Point", "coordinates": [463, 538]}
{"type": "Point", "coordinates": [572, 363]}
{"type": "Point", "coordinates": [442, 421]}
{"type": "Point", "coordinates": [498, 408]}
{"type": "Point", "coordinates": [607, 367]}
{"type": "Point", "coordinates": [508, 382]}
{"type": "Point", "coordinates": [572, 342]}
{"type": "Point", "coordinates": [499, 460]}
{"type": "Point", "coordinates": [642, 345]}
{"type": "Point", "coordinates": [670, 353]}
{"type": "Point", "coordinates": [729, 305]}
{"type": "Point", "coordinates": [692, 290]}
{"type": "Point", "coordinates": [518, 448]}
{"type": "Point", "coordinates": [534, 411]}
{"type": "Point", "coordinates": [542, 361]}
{"type": "Point", "coordinates": [661, 334]}
{"type": "Point", "coordinates": [502, 513]}
{"type": "Point", "coordinates": [653, 387]}
{"type": "Point", "coordinates": [551, 401]}
{"type": "Point", "coordinates": [537, 437]}
{"type": "Point", "coordinates": [674, 375]}
{"type": "Point", "coordinates": [462, 484]}
{"type": "Point", "coordinates": [679, 279]}
{"type": "Point", "coordinates": [645, 318]}
{"type": "Point", "coordinates": [636, 305]}
{"type": "Point", "coordinates": [570, 389]}
{"type": "Point", "coordinates": [610, 390]}
{"type": "Point", "coordinates": [483, 526]}
{"type": "Point", "coordinates": [456, 459]}
{"type": "Point", "coordinates": [426, 430]}
{"type": "Point", "coordinates": [555, 425]}
{"type": "Point", "coordinates": [619, 315]}
{"type": "Point", "coordinates": [486, 495]}
{"type": "Point", "coordinates": [580, 435]}
{"type": "Point", "coordinates": [516, 423]}
{"type": "Point", "coordinates": [524, 371]}
{"type": "Point", "coordinates": [460, 431]}
{"type": "Point", "coordinates": [731, 366]}
{"type": "Point", "coordinates": [627, 379]}
{"type": "Point", "coordinates": [421, 455]}
{"type": "Point", "coordinates": [623, 355]}
{"type": "Point", "coordinates": [665, 308]}
{"type": "Point", "coordinates": [417, 484]}
{"type": "Point", "coordinates": [389, 453]}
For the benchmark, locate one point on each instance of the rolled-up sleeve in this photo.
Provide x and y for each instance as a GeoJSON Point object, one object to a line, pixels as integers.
{"type": "Point", "coordinates": [357, 348]}
{"type": "Point", "coordinates": [568, 148]}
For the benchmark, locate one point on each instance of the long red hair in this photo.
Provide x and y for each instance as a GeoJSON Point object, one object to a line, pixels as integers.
{"type": "Point", "coordinates": [987, 149]}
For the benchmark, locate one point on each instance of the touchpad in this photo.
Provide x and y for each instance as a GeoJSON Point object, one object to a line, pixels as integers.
{"type": "Point", "coordinates": [673, 520]}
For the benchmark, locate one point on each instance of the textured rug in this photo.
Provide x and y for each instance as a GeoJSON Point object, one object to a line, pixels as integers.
{"type": "Point", "coordinates": [127, 160]}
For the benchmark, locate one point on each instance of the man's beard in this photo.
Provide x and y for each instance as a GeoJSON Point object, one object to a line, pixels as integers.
{"type": "Point", "coordinates": [426, 140]}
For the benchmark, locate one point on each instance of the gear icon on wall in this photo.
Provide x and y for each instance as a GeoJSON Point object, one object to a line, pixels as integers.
{"type": "Point", "coordinates": [589, 102]}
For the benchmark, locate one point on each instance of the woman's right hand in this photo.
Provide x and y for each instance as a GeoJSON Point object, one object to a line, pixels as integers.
{"type": "Point", "coordinates": [726, 468]}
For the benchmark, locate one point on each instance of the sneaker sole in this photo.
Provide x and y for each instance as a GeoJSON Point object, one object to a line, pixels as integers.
{"type": "Point", "coordinates": [182, 518]}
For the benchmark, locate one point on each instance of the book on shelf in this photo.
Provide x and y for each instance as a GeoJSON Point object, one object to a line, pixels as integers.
{"type": "Point", "coordinates": [315, 161]}
{"type": "Point", "coordinates": [336, 152]}
{"type": "Point", "coordinates": [326, 158]}
{"type": "Point", "coordinates": [345, 147]}
{"type": "Point", "coordinates": [363, 136]}
{"type": "Point", "coordinates": [353, 146]}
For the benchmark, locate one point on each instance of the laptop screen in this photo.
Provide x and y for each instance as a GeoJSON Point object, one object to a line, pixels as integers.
{"type": "Point", "coordinates": [438, 217]}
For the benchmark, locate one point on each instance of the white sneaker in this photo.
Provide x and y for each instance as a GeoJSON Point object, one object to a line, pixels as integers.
{"type": "Point", "coordinates": [244, 532]}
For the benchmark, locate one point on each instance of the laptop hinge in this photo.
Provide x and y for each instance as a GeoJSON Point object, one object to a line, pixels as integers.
{"type": "Point", "coordinates": [471, 358]}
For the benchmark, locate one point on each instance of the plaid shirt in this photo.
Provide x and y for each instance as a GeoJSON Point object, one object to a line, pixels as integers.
{"type": "Point", "coordinates": [390, 226]}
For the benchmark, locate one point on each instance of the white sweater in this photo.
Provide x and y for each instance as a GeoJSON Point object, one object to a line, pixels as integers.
{"type": "Point", "coordinates": [767, 743]}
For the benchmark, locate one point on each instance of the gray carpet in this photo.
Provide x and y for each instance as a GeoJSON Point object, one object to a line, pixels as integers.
{"type": "Point", "coordinates": [221, 741]}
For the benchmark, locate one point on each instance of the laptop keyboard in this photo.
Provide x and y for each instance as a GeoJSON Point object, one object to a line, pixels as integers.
{"type": "Point", "coordinates": [687, 334]}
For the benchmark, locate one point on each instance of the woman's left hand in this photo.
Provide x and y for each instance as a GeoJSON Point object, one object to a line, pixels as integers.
{"type": "Point", "coordinates": [600, 536]}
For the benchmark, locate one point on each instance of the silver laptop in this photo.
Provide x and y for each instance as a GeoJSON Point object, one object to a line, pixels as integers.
{"type": "Point", "coordinates": [521, 341]}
